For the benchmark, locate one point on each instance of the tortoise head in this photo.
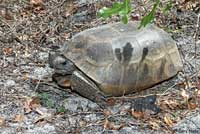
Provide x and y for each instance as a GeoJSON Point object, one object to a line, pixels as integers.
{"type": "Point", "coordinates": [61, 64]}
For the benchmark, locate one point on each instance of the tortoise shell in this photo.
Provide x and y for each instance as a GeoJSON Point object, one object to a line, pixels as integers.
{"type": "Point", "coordinates": [121, 59]}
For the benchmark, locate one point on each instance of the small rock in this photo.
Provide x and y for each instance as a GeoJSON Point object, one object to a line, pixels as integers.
{"type": "Point", "coordinates": [43, 56]}
{"type": "Point", "coordinates": [72, 121]}
{"type": "Point", "coordinates": [115, 109]}
{"type": "Point", "coordinates": [126, 130]}
{"type": "Point", "coordinates": [190, 125]}
{"type": "Point", "coordinates": [92, 118]}
{"type": "Point", "coordinates": [9, 83]}
{"type": "Point", "coordinates": [125, 108]}
{"type": "Point", "coordinates": [79, 104]}
{"type": "Point", "coordinates": [10, 59]}
{"type": "Point", "coordinates": [92, 130]}
{"type": "Point", "coordinates": [41, 72]}
{"type": "Point", "coordinates": [7, 131]}
{"type": "Point", "coordinates": [46, 129]}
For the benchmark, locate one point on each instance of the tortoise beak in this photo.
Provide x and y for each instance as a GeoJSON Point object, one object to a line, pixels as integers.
{"type": "Point", "coordinates": [51, 59]}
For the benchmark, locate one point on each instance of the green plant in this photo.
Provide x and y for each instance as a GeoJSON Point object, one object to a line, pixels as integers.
{"type": "Point", "coordinates": [46, 100]}
{"type": "Point", "coordinates": [123, 9]}
{"type": "Point", "coordinates": [150, 16]}
{"type": "Point", "coordinates": [60, 109]}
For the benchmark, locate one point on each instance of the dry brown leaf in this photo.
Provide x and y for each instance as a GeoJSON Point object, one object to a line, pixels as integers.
{"type": "Point", "coordinates": [192, 105]}
{"type": "Point", "coordinates": [198, 92]}
{"type": "Point", "coordinates": [35, 103]}
{"type": "Point", "coordinates": [66, 35]}
{"type": "Point", "coordinates": [27, 107]}
{"type": "Point", "coordinates": [2, 121]}
{"type": "Point", "coordinates": [182, 85]}
{"type": "Point", "coordinates": [70, 9]}
{"type": "Point", "coordinates": [23, 37]}
{"type": "Point", "coordinates": [40, 9]}
{"type": "Point", "coordinates": [107, 112]}
{"type": "Point", "coordinates": [168, 121]}
{"type": "Point", "coordinates": [40, 120]}
{"type": "Point", "coordinates": [106, 124]}
{"type": "Point", "coordinates": [36, 2]}
{"type": "Point", "coordinates": [31, 104]}
{"type": "Point", "coordinates": [5, 13]}
{"type": "Point", "coordinates": [172, 104]}
{"type": "Point", "coordinates": [185, 85]}
{"type": "Point", "coordinates": [135, 17]}
{"type": "Point", "coordinates": [111, 101]}
{"type": "Point", "coordinates": [39, 111]}
{"type": "Point", "coordinates": [18, 118]}
{"type": "Point", "coordinates": [26, 76]}
{"type": "Point", "coordinates": [186, 1]}
{"type": "Point", "coordinates": [154, 124]}
{"type": "Point", "coordinates": [137, 114]}
{"type": "Point", "coordinates": [8, 50]}
{"type": "Point", "coordinates": [116, 127]}
{"type": "Point", "coordinates": [185, 95]}
{"type": "Point", "coordinates": [82, 123]}
{"type": "Point", "coordinates": [44, 118]}
{"type": "Point", "coordinates": [111, 125]}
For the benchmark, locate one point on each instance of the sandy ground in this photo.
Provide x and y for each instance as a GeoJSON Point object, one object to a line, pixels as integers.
{"type": "Point", "coordinates": [30, 102]}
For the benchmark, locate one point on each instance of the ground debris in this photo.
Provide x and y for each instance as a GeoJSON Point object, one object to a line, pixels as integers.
{"type": "Point", "coordinates": [29, 103]}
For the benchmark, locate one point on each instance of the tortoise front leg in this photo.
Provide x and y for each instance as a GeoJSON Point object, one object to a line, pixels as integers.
{"type": "Point", "coordinates": [81, 84]}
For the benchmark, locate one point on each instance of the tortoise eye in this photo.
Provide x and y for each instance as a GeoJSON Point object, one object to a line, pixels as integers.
{"type": "Point", "coordinates": [64, 63]}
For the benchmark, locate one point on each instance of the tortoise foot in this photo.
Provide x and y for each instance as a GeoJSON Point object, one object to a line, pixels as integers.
{"type": "Point", "coordinates": [81, 84]}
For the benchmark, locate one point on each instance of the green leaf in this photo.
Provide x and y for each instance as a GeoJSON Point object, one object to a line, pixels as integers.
{"type": "Point", "coordinates": [124, 19]}
{"type": "Point", "coordinates": [123, 9]}
{"type": "Point", "coordinates": [149, 17]}
{"type": "Point", "coordinates": [46, 100]}
{"type": "Point", "coordinates": [61, 109]}
{"type": "Point", "coordinates": [126, 7]}
{"type": "Point", "coordinates": [108, 12]}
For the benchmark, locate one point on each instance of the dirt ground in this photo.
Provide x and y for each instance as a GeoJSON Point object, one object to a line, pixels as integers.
{"type": "Point", "coordinates": [31, 103]}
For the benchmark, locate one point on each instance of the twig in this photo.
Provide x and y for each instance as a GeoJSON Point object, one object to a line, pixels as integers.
{"type": "Point", "coordinates": [164, 93]}
{"type": "Point", "coordinates": [86, 113]}
{"type": "Point", "coordinates": [196, 35]}
{"type": "Point", "coordinates": [36, 87]}
{"type": "Point", "coordinates": [183, 59]}
{"type": "Point", "coordinates": [195, 45]}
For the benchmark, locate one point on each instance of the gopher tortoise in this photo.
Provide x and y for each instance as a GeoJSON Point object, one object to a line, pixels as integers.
{"type": "Point", "coordinates": [116, 59]}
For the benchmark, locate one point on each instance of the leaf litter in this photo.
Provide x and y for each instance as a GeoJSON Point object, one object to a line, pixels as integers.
{"type": "Point", "coordinates": [43, 25]}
